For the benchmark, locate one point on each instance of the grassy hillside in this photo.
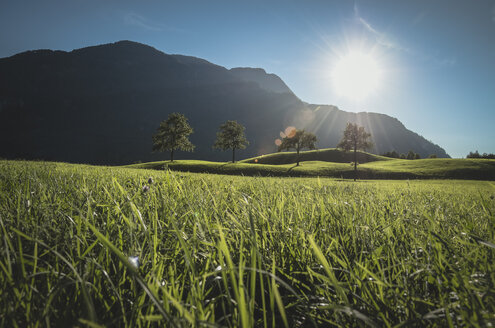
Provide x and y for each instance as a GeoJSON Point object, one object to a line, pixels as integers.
{"type": "Point", "coordinates": [324, 155]}
{"type": "Point", "coordinates": [101, 246]}
{"type": "Point", "coordinates": [378, 168]}
{"type": "Point", "coordinates": [479, 169]}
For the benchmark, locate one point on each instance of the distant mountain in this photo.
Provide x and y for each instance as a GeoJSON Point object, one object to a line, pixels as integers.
{"type": "Point", "coordinates": [102, 104]}
{"type": "Point", "coordinates": [387, 133]}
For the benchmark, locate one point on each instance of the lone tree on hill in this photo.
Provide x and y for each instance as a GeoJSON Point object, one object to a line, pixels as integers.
{"type": "Point", "coordinates": [172, 134]}
{"type": "Point", "coordinates": [355, 137]}
{"type": "Point", "coordinates": [231, 136]}
{"type": "Point", "coordinates": [298, 140]}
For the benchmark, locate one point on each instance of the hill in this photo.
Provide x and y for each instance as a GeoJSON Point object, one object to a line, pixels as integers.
{"type": "Point", "coordinates": [387, 132]}
{"type": "Point", "coordinates": [335, 163]}
{"type": "Point", "coordinates": [102, 104]}
{"type": "Point", "coordinates": [325, 155]}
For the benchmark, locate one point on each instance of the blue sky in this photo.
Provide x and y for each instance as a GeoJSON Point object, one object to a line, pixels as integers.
{"type": "Point", "coordinates": [438, 57]}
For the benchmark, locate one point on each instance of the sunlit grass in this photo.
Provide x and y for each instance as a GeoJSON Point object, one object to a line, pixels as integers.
{"type": "Point", "coordinates": [84, 245]}
{"type": "Point", "coordinates": [283, 164]}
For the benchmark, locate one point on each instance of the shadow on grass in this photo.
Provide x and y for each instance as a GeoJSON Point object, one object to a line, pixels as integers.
{"type": "Point", "coordinates": [229, 168]}
{"type": "Point", "coordinates": [292, 167]}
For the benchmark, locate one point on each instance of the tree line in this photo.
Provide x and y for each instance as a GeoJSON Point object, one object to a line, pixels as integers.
{"type": "Point", "coordinates": [173, 134]}
{"type": "Point", "coordinates": [410, 155]}
{"type": "Point", "coordinates": [476, 154]}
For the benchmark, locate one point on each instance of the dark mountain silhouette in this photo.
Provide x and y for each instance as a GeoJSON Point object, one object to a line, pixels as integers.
{"type": "Point", "coordinates": [270, 82]}
{"type": "Point", "coordinates": [102, 104]}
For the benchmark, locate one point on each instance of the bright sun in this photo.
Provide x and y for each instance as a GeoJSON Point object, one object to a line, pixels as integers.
{"type": "Point", "coordinates": [356, 76]}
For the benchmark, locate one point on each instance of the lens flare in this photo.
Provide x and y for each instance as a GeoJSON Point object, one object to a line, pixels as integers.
{"type": "Point", "coordinates": [290, 131]}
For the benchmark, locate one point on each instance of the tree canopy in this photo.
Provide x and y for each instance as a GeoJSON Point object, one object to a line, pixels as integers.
{"type": "Point", "coordinates": [355, 137]}
{"type": "Point", "coordinates": [231, 136]}
{"type": "Point", "coordinates": [410, 155]}
{"type": "Point", "coordinates": [476, 154]}
{"type": "Point", "coordinates": [173, 134]}
{"type": "Point", "coordinates": [392, 154]}
{"type": "Point", "coordinates": [298, 140]}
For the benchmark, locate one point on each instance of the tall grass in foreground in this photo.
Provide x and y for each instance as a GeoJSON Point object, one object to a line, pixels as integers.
{"type": "Point", "coordinates": [91, 246]}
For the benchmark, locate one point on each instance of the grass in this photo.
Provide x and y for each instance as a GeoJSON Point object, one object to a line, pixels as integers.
{"type": "Point", "coordinates": [324, 155]}
{"type": "Point", "coordinates": [440, 168]}
{"type": "Point", "coordinates": [90, 246]}
{"type": "Point", "coordinates": [378, 168]}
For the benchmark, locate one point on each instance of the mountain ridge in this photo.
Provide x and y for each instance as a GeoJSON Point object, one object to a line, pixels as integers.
{"type": "Point", "coordinates": [269, 81]}
{"type": "Point", "coordinates": [101, 104]}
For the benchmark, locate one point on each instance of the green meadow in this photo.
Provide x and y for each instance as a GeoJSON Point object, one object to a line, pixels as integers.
{"type": "Point", "coordinates": [338, 164]}
{"type": "Point", "coordinates": [91, 246]}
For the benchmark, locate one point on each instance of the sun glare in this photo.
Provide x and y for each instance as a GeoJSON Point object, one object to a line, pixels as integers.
{"type": "Point", "coordinates": [356, 76]}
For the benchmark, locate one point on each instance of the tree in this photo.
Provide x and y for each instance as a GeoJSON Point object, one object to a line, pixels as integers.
{"type": "Point", "coordinates": [355, 137]}
{"type": "Point", "coordinates": [417, 156]}
{"type": "Point", "coordinates": [433, 156]}
{"type": "Point", "coordinates": [391, 154]}
{"type": "Point", "coordinates": [231, 136]}
{"type": "Point", "coordinates": [297, 140]}
{"type": "Point", "coordinates": [172, 134]}
{"type": "Point", "coordinates": [476, 154]}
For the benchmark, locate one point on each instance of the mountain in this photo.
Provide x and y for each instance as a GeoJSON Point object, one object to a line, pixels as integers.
{"type": "Point", "coordinates": [387, 133]}
{"type": "Point", "coordinates": [102, 104]}
{"type": "Point", "coordinates": [270, 82]}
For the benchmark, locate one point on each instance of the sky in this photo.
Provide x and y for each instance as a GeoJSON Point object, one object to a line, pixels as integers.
{"type": "Point", "coordinates": [436, 58]}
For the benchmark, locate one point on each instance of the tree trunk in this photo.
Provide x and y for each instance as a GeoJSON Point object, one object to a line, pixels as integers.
{"type": "Point", "coordinates": [233, 155]}
{"type": "Point", "coordinates": [172, 155]}
{"type": "Point", "coordinates": [297, 155]}
{"type": "Point", "coordinates": [355, 161]}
